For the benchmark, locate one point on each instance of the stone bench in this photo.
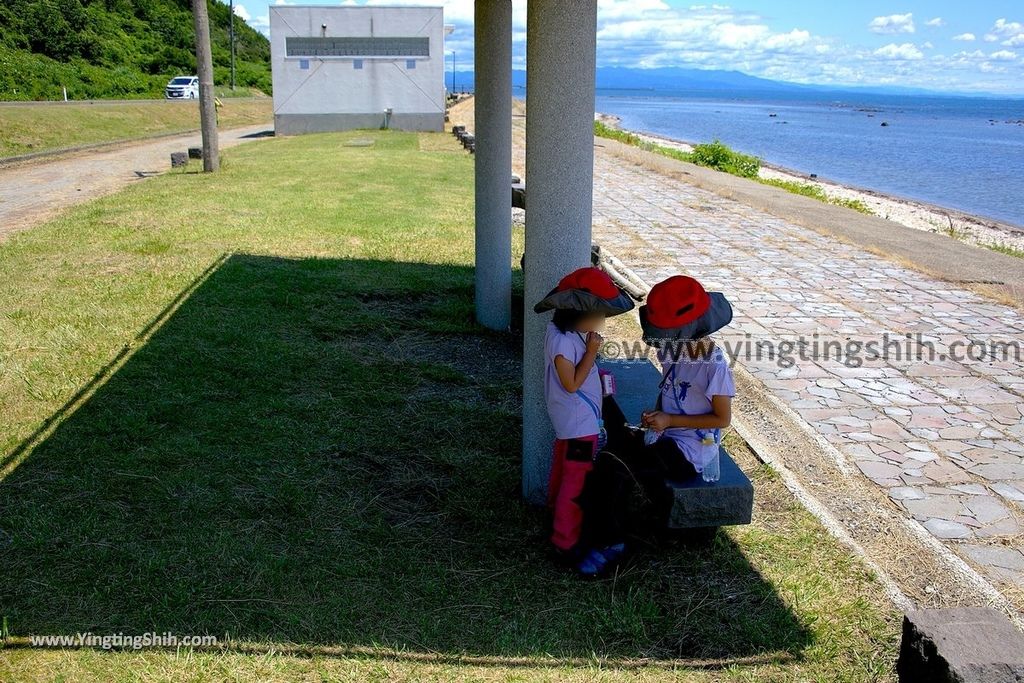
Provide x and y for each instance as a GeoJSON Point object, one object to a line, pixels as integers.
{"type": "Point", "coordinates": [518, 195]}
{"type": "Point", "coordinates": [960, 645]}
{"type": "Point", "coordinates": [697, 503]}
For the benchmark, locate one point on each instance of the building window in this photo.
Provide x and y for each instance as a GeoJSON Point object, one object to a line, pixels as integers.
{"type": "Point", "coordinates": [357, 46]}
{"type": "Point", "coordinates": [410, 64]}
{"type": "Point", "coordinates": [304, 64]}
{"type": "Point", "coordinates": [357, 64]}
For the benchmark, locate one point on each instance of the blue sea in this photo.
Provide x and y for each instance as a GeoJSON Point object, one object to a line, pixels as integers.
{"type": "Point", "coordinates": [955, 152]}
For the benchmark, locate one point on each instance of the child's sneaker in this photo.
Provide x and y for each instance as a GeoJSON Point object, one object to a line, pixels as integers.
{"type": "Point", "coordinates": [597, 562]}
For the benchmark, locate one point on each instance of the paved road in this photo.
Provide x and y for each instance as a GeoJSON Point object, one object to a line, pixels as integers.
{"type": "Point", "coordinates": [34, 191]}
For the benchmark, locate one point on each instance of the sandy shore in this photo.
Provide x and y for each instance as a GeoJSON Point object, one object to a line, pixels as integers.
{"type": "Point", "coordinates": [912, 214]}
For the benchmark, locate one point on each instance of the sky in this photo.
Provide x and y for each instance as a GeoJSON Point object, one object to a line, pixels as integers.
{"type": "Point", "coordinates": [944, 45]}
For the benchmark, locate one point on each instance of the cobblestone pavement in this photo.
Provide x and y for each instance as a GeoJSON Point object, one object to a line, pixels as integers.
{"type": "Point", "coordinates": [942, 436]}
{"type": "Point", "coordinates": [33, 191]}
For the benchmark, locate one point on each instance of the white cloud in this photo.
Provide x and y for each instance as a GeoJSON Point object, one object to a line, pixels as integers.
{"type": "Point", "coordinates": [618, 9]}
{"type": "Point", "coordinates": [1011, 33]}
{"type": "Point", "coordinates": [894, 23]}
{"type": "Point", "coordinates": [927, 45]}
{"type": "Point", "coordinates": [1003, 56]}
{"type": "Point", "coordinates": [965, 37]}
{"type": "Point", "coordinates": [242, 13]}
{"type": "Point", "coordinates": [936, 22]}
{"type": "Point", "coordinates": [902, 51]}
{"type": "Point", "coordinates": [1004, 28]}
{"type": "Point", "coordinates": [794, 38]}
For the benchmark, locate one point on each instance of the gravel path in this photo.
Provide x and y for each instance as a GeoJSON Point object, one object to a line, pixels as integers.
{"type": "Point", "coordinates": [34, 191]}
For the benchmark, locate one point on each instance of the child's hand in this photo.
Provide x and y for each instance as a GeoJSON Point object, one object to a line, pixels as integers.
{"type": "Point", "coordinates": [656, 420]}
{"type": "Point", "coordinates": [594, 342]}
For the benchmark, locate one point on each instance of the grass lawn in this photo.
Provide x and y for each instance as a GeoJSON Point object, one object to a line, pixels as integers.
{"type": "Point", "coordinates": [266, 415]}
{"type": "Point", "coordinates": [27, 128]}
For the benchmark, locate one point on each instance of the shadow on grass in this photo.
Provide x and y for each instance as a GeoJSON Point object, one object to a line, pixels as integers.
{"type": "Point", "coordinates": [326, 453]}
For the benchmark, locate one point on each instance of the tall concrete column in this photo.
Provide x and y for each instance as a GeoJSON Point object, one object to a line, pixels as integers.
{"type": "Point", "coordinates": [561, 48]}
{"type": "Point", "coordinates": [493, 130]}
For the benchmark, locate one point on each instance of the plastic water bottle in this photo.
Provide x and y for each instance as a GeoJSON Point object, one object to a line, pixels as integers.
{"type": "Point", "coordinates": [712, 472]}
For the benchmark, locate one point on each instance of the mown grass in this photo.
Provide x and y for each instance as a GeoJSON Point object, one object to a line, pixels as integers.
{"type": "Point", "coordinates": [27, 128]}
{"type": "Point", "coordinates": [721, 157]}
{"type": "Point", "coordinates": [266, 414]}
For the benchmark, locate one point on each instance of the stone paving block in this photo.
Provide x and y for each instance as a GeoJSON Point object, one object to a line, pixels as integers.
{"type": "Point", "coordinates": [1004, 528]}
{"type": "Point", "coordinates": [997, 556]}
{"type": "Point", "coordinates": [1009, 492]}
{"type": "Point", "coordinates": [960, 645]}
{"type": "Point", "coordinates": [942, 507]}
{"type": "Point", "coordinates": [942, 528]}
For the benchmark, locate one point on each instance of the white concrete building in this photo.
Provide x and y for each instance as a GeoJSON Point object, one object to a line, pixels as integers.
{"type": "Point", "coordinates": [338, 68]}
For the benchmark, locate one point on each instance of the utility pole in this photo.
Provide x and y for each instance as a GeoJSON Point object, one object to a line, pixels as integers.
{"type": "Point", "coordinates": [231, 31]}
{"type": "Point", "coordinates": [204, 69]}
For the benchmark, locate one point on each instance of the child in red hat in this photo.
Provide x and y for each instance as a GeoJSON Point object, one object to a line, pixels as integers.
{"type": "Point", "coordinates": [694, 405]}
{"type": "Point", "coordinates": [573, 391]}
{"type": "Point", "coordinates": [697, 386]}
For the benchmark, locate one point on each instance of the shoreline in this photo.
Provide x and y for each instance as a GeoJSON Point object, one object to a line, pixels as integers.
{"type": "Point", "coordinates": [912, 213]}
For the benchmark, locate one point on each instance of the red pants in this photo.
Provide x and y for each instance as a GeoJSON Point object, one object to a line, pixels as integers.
{"type": "Point", "coordinates": [571, 461]}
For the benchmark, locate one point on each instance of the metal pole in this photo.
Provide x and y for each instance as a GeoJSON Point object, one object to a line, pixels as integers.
{"type": "Point", "coordinates": [453, 70]}
{"type": "Point", "coordinates": [204, 69]}
{"type": "Point", "coordinates": [231, 32]}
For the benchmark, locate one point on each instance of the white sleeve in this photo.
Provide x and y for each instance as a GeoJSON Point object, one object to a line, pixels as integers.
{"type": "Point", "coordinates": [720, 383]}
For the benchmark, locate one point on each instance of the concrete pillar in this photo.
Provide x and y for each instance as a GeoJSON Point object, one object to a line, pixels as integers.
{"type": "Point", "coordinates": [493, 130]}
{"type": "Point", "coordinates": [561, 47]}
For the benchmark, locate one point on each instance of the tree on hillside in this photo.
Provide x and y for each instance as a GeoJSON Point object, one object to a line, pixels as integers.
{"type": "Point", "coordinates": [116, 48]}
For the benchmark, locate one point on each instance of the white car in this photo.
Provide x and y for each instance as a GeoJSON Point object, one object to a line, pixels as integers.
{"type": "Point", "coordinates": [182, 88]}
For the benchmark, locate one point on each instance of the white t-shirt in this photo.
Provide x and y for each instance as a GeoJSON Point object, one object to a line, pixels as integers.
{"type": "Point", "coordinates": [687, 389]}
{"type": "Point", "coordinates": [571, 415]}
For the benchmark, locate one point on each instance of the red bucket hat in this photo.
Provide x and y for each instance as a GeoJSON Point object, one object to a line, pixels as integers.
{"type": "Point", "coordinates": [586, 289]}
{"type": "Point", "coordinates": [679, 309]}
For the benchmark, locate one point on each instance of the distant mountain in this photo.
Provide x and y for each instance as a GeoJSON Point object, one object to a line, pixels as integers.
{"type": "Point", "coordinates": [116, 48]}
{"type": "Point", "coordinates": [708, 80]}
{"type": "Point", "coordinates": [674, 78]}
{"type": "Point", "coordinates": [665, 78]}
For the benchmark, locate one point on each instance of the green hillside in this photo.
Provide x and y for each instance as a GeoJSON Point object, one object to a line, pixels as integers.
{"type": "Point", "coordinates": [116, 48]}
